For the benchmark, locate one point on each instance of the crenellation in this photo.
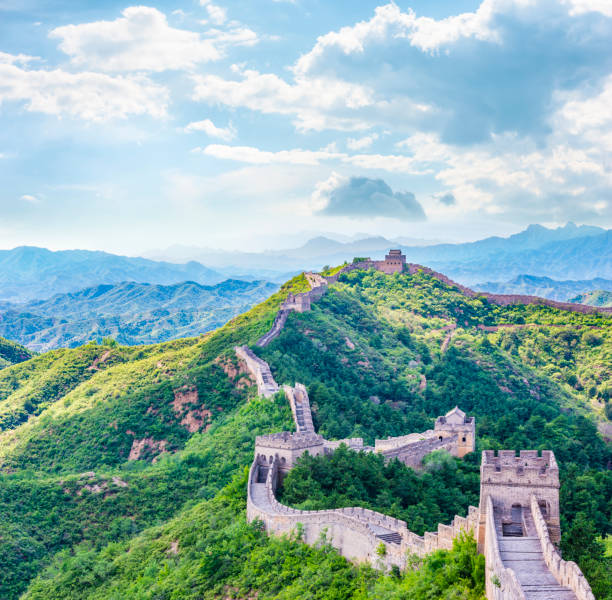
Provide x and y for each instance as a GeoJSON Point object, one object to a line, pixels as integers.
{"type": "Point", "coordinates": [517, 516]}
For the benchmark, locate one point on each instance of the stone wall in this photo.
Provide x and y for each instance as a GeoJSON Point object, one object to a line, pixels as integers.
{"type": "Point", "coordinates": [300, 407]}
{"type": "Point", "coordinates": [501, 583]}
{"type": "Point", "coordinates": [567, 572]}
{"type": "Point", "coordinates": [412, 453]}
{"type": "Point", "coordinates": [511, 480]}
{"type": "Point", "coordinates": [396, 263]}
{"type": "Point", "coordinates": [357, 533]}
{"type": "Point", "coordinates": [287, 447]}
{"type": "Point", "coordinates": [266, 386]}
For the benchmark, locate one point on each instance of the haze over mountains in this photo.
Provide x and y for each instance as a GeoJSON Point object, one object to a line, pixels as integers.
{"type": "Point", "coordinates": [65, 298]}
{"type": "Point", "coordinates": [129, 312]}
{"type": "Point", "coordinates": [29, 273]}
{"type": "Point", "coordinates": [569, 252]}
{"type": "Point", "coordinates": [545, 287]}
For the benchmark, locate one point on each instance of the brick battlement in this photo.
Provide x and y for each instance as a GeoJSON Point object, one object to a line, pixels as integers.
{"type": "Point", "coordinates": [289, 441]}
{"type": "Point", "coordinates": [525, 469]}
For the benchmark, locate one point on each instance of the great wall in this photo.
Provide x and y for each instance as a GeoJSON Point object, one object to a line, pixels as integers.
{"type": "Point", "coordinates": [516, 524]}
{"type": "Point", "coordinates": [395, 262]}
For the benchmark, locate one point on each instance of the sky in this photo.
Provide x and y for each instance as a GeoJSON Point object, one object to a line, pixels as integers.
{"type": "Point", "coordinates": [246, 124]}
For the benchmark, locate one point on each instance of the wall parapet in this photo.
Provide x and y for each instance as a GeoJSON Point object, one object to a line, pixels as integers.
{"type": "Point", "coordinates": [567, 573]}
{"type": "Point", "coordinates": [355, 531]}
{"type": "Point", "coordinates": [266, 386]}
{"type": "Point", "coordinates": [501, 583]}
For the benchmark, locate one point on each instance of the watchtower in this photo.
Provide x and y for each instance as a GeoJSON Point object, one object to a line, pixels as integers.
{"type": "Point", "coordinates": [288, 447]}
{"type": "Point", "coordinates": [456, 423]}
{"type": "Point", "coordinates": [510, 481]}
{"type": "Point", "coordinates": [394, 262]}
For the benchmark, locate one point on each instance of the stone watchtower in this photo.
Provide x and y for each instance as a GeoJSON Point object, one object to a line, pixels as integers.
{"type": "Point", "coordinates": [287, 447]}
{"type": "Point", "coordinates": [456, 423]}
{"type": "Point", "coordinates": [510, 481]}
{"type": "Point", "coordinates": [394, 262]}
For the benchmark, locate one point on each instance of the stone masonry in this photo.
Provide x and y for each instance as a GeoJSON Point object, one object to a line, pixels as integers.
{"type": "Point", "coordinates": [516, 524]}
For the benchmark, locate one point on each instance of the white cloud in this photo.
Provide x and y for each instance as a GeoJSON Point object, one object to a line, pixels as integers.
{"type": "Point", "coordinates": [578, 7]}
{"type": "Point", "coordinates": [217, 14]}
{"type": "Point", "coordinates": [88, 96]}
{"type": "Point", "coordinates": [142, 40]}
{"type": "Point", "coordinates": [383, 162]}
{"type": "Point", "coordinates": [312, 102]}
{"type": "Point", "coordinates": [361, 143]}
{"type": "Point", "coordinates": [249, 154]}
{"type": "Point", "coordinates": [12, 59]}
{"type": "Point", "coordinates": [389, 23]}
{"type": "Point", "coordinates": [30, 199]}
{"type": "Point", "coordinates": [210, 129]}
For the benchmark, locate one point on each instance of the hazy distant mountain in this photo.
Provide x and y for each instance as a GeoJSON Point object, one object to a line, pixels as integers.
{"type": "Point", "coordinates": [491, 259]}
{"type": "Point", "coordinates": [580, 258]}
{"type": "Point", "coordinates": [28, 273]}
{"type": "Point", "coordinates": [546, 287]}
{"type": "Point", "coordinates": [569, 252]}
{"type": "Point", "coordinates": [132, 313]}
{"type": "Point", "coordinates": [595, 298]}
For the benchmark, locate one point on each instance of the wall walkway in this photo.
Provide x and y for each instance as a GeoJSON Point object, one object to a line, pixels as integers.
{"type": "Point", "coordinates": [266, 386]}
{"type": "Point", "coordinates": [522, 562]}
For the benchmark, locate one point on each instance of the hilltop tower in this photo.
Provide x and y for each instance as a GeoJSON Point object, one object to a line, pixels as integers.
{"type": "Point", "coordinates": [510, 481]}
{"type": "Point", "coordinates": [457, 423]}
{"type": "Point", "coordinates": [287, 447]}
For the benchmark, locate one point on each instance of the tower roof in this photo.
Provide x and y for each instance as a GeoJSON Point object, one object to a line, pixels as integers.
{"type": "Point", "coordinates": [455, 416]}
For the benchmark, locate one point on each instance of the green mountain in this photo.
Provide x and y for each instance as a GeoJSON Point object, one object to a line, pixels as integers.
{"type": "Point", "coordinates": [594, 298]}
{"type": "Point", "coordinates": [122, 469]}
{"type": "Point", "coordinates": [129, 312]}
{"type": "Point", "coordinates": [545, 287]}
{"type": "Point", "coordinates": [12, 353]}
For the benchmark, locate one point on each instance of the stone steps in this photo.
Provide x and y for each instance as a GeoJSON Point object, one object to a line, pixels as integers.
{"type": "Point", "coordinates": [262, 474]}
{"type": "Point", "coordinates": [524, 556]}
{"type": "Point", "coordinates": [393, 538]}
{"type": "Point", "coordinates": [543, 592]}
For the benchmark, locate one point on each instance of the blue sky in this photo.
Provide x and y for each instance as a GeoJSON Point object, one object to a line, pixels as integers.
{"type": "Point", "coordinates": [241, 124]}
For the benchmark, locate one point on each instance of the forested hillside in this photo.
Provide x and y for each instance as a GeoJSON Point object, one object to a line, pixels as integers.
{"type": "Point", "coordinates": [129, 312]}
{"type": "Point", "coordinates": [123, 469]}
{"type": "Point", "coordinates": [12, 353]}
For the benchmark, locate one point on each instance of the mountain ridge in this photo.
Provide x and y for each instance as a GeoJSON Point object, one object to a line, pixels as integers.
{"type": "Point", "coordinates": [29, 272]}
{"type": "Point", "coordinates": [124, 446]}
{"type": "Point", "coordinates": [130, 312]}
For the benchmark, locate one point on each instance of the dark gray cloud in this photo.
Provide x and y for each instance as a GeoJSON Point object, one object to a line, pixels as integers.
{"type": "Point", "coordinates": [364, 197]}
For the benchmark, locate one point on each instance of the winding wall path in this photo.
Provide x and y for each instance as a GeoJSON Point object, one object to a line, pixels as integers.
{"type": "Point", "coordinates": [521, 561]}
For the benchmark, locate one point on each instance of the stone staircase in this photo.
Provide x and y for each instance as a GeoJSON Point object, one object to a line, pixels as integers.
{"type": "Point", "coordinates": [392, 538]}
{"type": "Point", "coordinates": [300, 407]}
{"type": "Point", "coordinates": [262, 474]}
{"type": "Point", "coordinates": [523, 555]}
{"type": "Point", "coordinates": [277, 327]}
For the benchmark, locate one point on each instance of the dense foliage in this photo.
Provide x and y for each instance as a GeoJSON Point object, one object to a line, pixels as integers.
{"type": "Point", "coordinates": [86, 516]}
{"type": "Point", "coordinates": [11, 353]}
{"type": "Point", "coordinates": [445, 488]}
{"type": "Point", "coordinates": [209, 551]}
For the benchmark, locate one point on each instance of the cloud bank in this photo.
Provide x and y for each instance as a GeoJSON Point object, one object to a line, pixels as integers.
{"type": "Point", "coordinates": [362, 197]}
